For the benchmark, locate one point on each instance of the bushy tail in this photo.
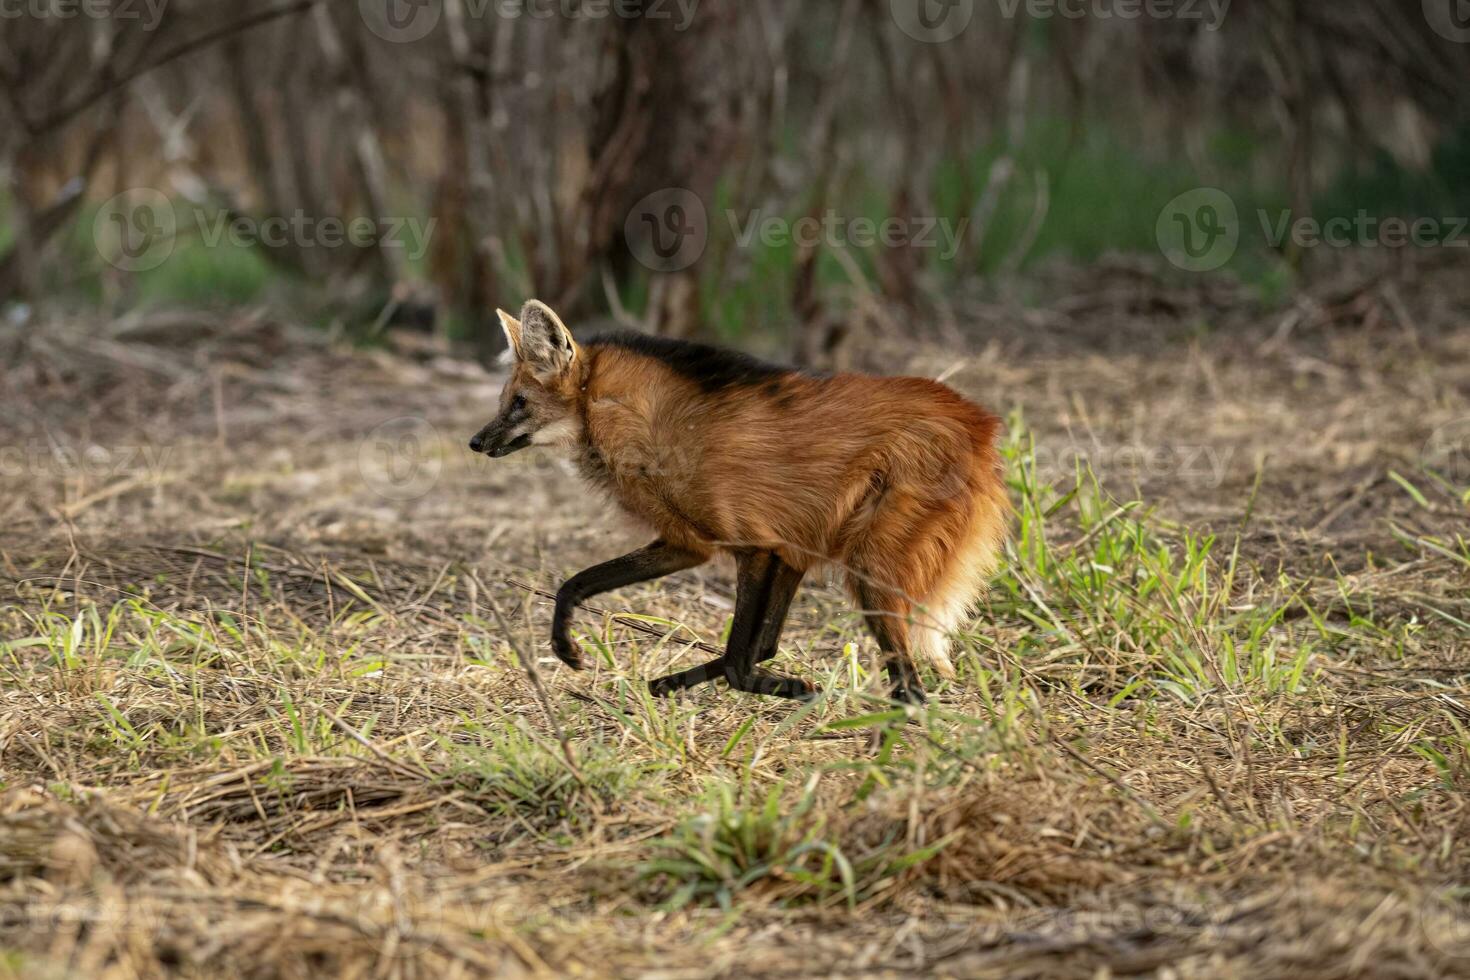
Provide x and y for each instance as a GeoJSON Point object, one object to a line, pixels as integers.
{"type": "Point", "coordinates": [964, 578]}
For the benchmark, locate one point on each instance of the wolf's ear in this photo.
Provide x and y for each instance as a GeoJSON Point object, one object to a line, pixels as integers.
{"type": "Point", "coordinates": [545, 342]}
{"type": "Point", "coordinates": [512, 328]}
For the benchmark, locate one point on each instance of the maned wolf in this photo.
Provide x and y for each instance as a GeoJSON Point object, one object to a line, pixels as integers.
{"type": "Point", "coordinates": [895, 480]}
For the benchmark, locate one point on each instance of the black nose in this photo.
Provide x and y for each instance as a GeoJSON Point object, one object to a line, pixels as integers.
{"type": "Point", "coordinates": [477, 444]}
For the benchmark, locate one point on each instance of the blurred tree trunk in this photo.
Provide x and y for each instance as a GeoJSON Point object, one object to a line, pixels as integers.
{"type": "Point", "coordinates": [20, 273]}
{"type": "Point", "coordinates": [1290, 54]}
{"type": "Point", "coordinates": [673, 116]}
{"type": "Point", "coordinates": [461, 263]}
{"type": "Point", "coordinates": [355, 97]}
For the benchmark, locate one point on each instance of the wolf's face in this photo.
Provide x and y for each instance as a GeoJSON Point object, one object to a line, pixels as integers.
{"type": "Point", "coordinates": [539, 404]}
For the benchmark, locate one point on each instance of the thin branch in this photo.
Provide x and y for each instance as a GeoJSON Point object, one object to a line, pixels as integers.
{"type": "Point", "coordinates": [528, 660]}
{"type": "Point", "coordinates": [86, 100]}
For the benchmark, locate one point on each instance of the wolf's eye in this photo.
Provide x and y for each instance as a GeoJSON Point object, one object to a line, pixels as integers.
{"type": "Point", "coordinates": [517, 403]}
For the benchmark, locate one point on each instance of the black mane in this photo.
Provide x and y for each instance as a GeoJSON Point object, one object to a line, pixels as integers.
{"type": "Point", "coordinates": [712, 368]}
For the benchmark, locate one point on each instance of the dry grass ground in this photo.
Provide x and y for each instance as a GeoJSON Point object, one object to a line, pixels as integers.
{"type": "Point", "coordinates": [262, 710]}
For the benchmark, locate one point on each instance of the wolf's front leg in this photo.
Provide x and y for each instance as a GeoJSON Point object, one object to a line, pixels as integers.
{"type": "Point", "coordinates": [645, 564]}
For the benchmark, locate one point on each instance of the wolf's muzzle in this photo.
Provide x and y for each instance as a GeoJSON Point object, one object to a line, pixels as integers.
{"type": "Point", "coordinates": [515, 445]}
{"type": "Point", "coordinates": [488, 441]}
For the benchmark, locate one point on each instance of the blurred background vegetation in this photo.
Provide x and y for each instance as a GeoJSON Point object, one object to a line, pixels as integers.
{"type": "Point", "coordinates": [527, 141]}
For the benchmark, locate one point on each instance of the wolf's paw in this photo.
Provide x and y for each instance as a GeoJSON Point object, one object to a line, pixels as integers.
{"type": "Point", "coordinates": [565, 650]}
{"type": "Point", "coordinates": [910, 694]}
{"type": "Point", "coordinates": [775, 685]}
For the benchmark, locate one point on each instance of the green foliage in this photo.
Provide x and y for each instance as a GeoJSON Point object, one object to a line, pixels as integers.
{"type": "Point", "coordinates": [1144, 609]}
{"type": "Point", "coordinates": [195, 273]}
{"type": "Point", "coordinates": [779, 842]}
{"type": "Point", "coordinates": [1097, 194]}
{"type": "Point", "coordinates": [514, 772]}
{"type": "Point", "coordinates": [736, 843]}
{"type": "Point", "coordinates": [1077, 191]}
{"type": "Point", "coordinates": [1383, 187]}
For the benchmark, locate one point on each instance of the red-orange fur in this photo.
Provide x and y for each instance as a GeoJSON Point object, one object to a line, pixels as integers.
{"type": "Point", "coordinates": [895, 480]}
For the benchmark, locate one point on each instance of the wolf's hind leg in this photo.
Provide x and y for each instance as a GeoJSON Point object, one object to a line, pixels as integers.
{"type": "Point", "coordinates": [887, 616]}
{"type": "Point", "coordinates": [766, 587]}
{"type": "Point", "coordinates": [765, 584]}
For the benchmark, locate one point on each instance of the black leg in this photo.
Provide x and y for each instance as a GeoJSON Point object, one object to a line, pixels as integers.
{"type": "Point", "coordinates": [887, 620]}
{"type": "Point", "coordinates": [668, 684]}
{"type": "Point", "coordinates": [655, 561]}
{"type": "Point", "coordinates": [772, 620]}
{"type": "Point", "coordinates": [760, 577]}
